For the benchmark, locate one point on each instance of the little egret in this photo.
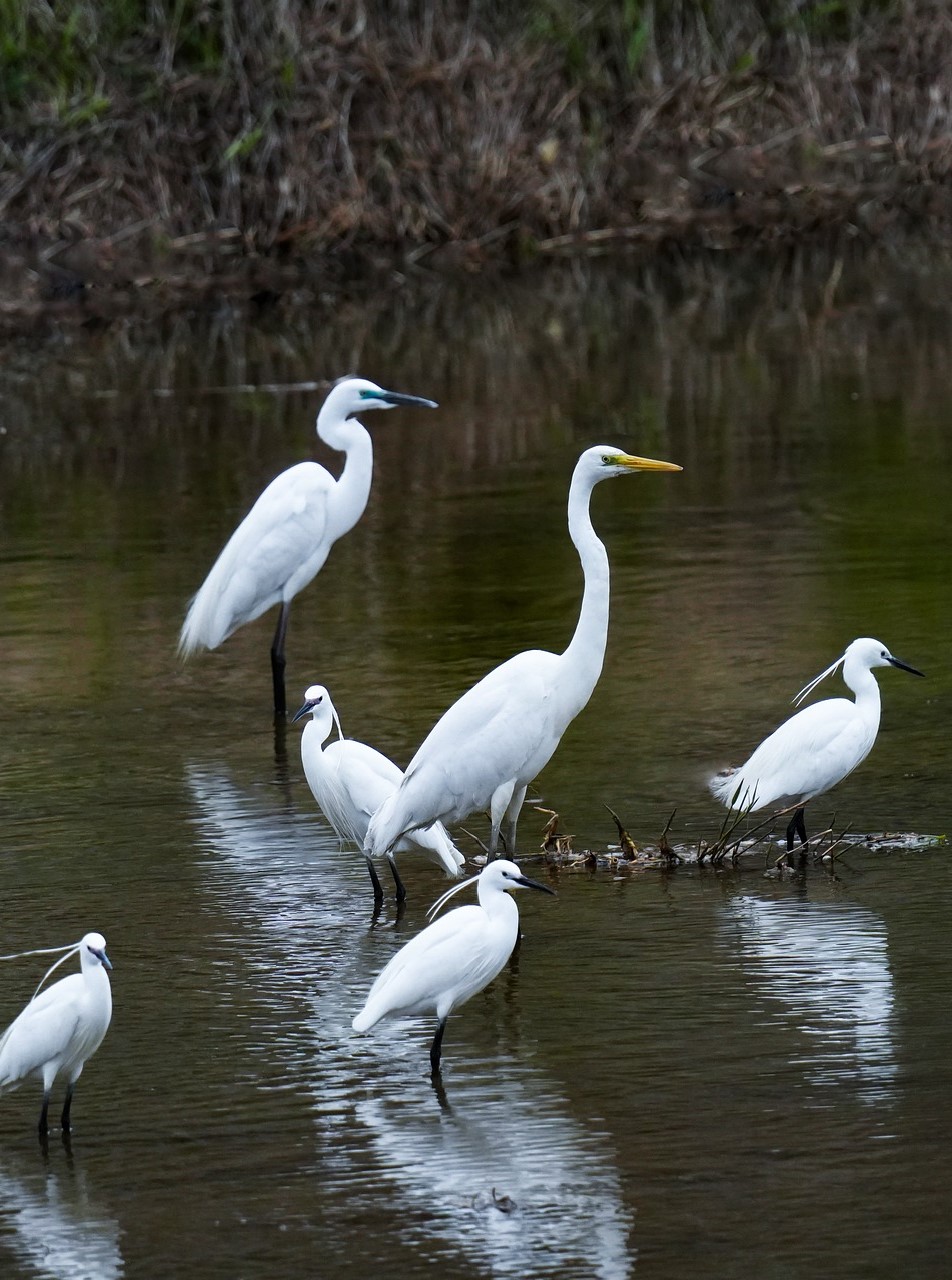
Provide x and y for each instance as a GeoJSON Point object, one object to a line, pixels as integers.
{"type": "Point", "coordinates": [491, 743]}
{"type": "Point", "coordinates": [454, 957]}
{"type": "Point", "coordinates": [815, 749]}
{"type": "Point", "coordinates": [351, 780]}
{"type": "Point", "coordinates": [286, 536]}
{"type": "Point", "coordinates": [60, 1028]}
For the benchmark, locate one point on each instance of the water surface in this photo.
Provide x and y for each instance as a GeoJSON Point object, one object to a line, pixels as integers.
{"type": "Point", "coordinates": [690, 1073]}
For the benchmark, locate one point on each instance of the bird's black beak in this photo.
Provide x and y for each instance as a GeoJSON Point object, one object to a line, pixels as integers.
{"type": "Point", "coordinates": [104, 959]}
{"type": "Point", "coordinates": [534, 884]}
{"type": "Point", "coordinates": [397, 397]}
{"type": "Point", "coordinates": [904, 666]}
{"type": "Point", "coordinates": [308, 706]}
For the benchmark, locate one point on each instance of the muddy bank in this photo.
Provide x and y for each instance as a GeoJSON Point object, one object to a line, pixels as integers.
{"type": "Point", "coordinates": [259, 151]}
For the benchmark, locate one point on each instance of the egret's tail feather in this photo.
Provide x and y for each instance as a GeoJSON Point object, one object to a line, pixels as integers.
{"type": "Point", "coordinates": [733, 790]}
{"type": "Point", "coordinates": [436, 839]}
{"type": "Point", "coordinates": [364, 1021]}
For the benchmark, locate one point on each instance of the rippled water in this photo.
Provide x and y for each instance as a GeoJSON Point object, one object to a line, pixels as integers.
{"type": "Point", "coordinates": [695, 1073]}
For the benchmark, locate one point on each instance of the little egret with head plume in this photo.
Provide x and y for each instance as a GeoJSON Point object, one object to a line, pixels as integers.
{"type": "Point", "coordinates": [285, 538]}
{"type": "Point", "coordinates": [491, 743]}
{"type": "Point", "coordinates": [351, 780]}
{"type": "Point", "coordinates": [815, 749]}
{"type": "Point", "coordinates": [61, 1027]}
{"type": "Point", "coordinates": [454, 957]}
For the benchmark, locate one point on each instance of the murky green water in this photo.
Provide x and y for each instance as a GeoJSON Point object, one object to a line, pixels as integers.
{"type": "Point", "coordinates": [690, 1074]}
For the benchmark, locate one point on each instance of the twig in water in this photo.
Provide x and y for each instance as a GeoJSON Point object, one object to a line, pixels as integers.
{"type": "Point", "coordinates": [628, 846]}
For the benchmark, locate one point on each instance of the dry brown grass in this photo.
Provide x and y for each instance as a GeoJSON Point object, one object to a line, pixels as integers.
{"type": "Point", "coordinates": [342, 134]}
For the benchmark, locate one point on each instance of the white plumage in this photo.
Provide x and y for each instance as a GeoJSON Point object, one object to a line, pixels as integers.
{"type": "Point", "coordinates": [491, 743]}
{"type": "Point", "coordinates": [350, 781]}
{"type": "Point", "coordinates": [285, 538]}
{"type": "Point", "coordinates": [815, 749]}
{"type": "Point", "coordinates": [61, 1028]}
{"type": "Point", "coordinates": [454, 957]}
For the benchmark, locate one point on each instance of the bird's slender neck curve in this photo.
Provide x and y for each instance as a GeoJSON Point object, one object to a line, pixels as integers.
{"type": "Point", "coordinates": [320, 727]}
{"type": "Point", "coordinates": [496, 902]}
{"type": "Point", "coordinates": [858, 677]}
{"type": "Point", "coordinates": [586, 652]}
{"type": "Point", "coordinates": [353, 484]}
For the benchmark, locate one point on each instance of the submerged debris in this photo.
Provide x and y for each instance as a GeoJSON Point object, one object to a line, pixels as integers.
{"type": "Point", "coordinates": [737, 844]}
{"type": "Point", "coordinates": [504, 1203]}
{"type": "Point", "coordinates": [552, 840]}
{"type": "Point", "coordinates": [627, 845]}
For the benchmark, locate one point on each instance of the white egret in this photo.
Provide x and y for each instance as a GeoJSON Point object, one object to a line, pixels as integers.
{"type": "Point", "coordinates": [454, 957]}
{"type": "Point", "coordinates": [351, 780]}
{"type": "Point", "coordinates": [815, 749]}
{"type": "Point", "coordinates": [285, 538]}
{"type": "Point", "coordinates": [61, 1027]}
{"type": "Point", "coordinates": [491, 743]}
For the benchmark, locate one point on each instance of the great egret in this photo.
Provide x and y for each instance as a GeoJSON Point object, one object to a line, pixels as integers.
{"type": "Point", "coordinates": [351, 780]}
{"type": "Point", "coordinates": [61, 1027]}
{"type": "Point", "coordinates": [454, 957]}
{"type": "Point", "coordinates": [491, 743]}
{"type": "Point", "coordinates": [815, 749]}
{"type": "Point", "coordinates": [286, 536]}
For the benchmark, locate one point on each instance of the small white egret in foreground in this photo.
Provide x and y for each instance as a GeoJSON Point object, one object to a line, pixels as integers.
{"type": "Point", "coordinates": [491, 743]}
{"type": "Point", "coordinates": [351, 780]}
{"type": "Point", "coordinates": [61, 1027]}
{"type": "Point", "coordinates": [454, 957]}
{"type": "Point", "coordinates": [285, 538]}
{"type": "Point", "coordinates": [815, 749]}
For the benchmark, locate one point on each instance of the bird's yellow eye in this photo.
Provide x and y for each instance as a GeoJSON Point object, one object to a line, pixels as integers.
{"type": "Point", "coordinates": [607, 459]}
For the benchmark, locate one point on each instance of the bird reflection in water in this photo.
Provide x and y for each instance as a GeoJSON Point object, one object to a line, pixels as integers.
{"type": "Point", "coordinates": [50, 1224]}
{"type": "Point", "coordinates": [502, 1176]}
{"type": "Point", "coordinates": [825, 968]}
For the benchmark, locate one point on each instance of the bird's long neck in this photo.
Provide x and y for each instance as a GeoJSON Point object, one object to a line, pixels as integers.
{"type": "Point", "coordinates": [94, 975]}
{"type": "Point", "coordinates": [586, 652]}
{"type": "Point", "coordinates": [499, 906]}
{"type": "Point", "coordinates": [318, 730]}
{"type": "Point", "coordinates": [858, 677]}
{"type": "Point", "coordinates": [353, 484]}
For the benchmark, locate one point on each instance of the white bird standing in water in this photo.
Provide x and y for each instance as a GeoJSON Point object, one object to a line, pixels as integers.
{"type": "Point", "coordinates": [285, 538]}
{"type": "Point", "coordinates": [815, 749]}
{"type": "Point", "coordinates": [491, 743]}
{"type": "Point", "coordinates": [61, 1027]}
{"type": "Point", "coordinates": [454, 957]}
{"type": "Point", "coordinates": [351, 780]}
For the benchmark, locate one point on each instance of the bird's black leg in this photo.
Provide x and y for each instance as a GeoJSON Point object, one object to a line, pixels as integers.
{"type": "Point", "coordinates": [796, 827]}
{"type": "Point", "coordinates": [43, 1126]}
{"type": "Point", "coordinates": [436, 1048]}
{"type": "Point", "coordinates": [68, 1102]}
{"type": "Point", "coordinates": [401, 887]}
{"type": "Point", "coordinates": [801, 826]}
{"type": "Point", "coordinates": [277, 661]}
{"type": "Point", "coordinates": [375, 881]}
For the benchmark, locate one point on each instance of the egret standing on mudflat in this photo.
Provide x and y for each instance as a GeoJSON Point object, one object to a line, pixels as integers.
{"type": "Point", "coordinates": [286, 536]}
{"type": "Point", "coordinates": [60, 1028]}
{"type": "Point", "coordinates": [491, 743]}
{"type": "Point", "coordinates": [815, 749]}
{"type": "Point", "coordinates": [350, 781]}
{"type": "Point", "coordinates": [454, 957]}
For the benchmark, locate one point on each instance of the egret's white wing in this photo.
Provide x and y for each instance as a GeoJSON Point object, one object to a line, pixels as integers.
{"type": "Point", "coordinates": [808, 754]}
{"type": "Point", "coordinates": [361, 779]}
{"type": "Point", "coordinates": [283, 539]}
{"type": "Point", "coordinates": [42, 1030]}
{"type": "Point", "coordinates": [450, 955]}
{"type": "Point", "coordinates": [491, 734]}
